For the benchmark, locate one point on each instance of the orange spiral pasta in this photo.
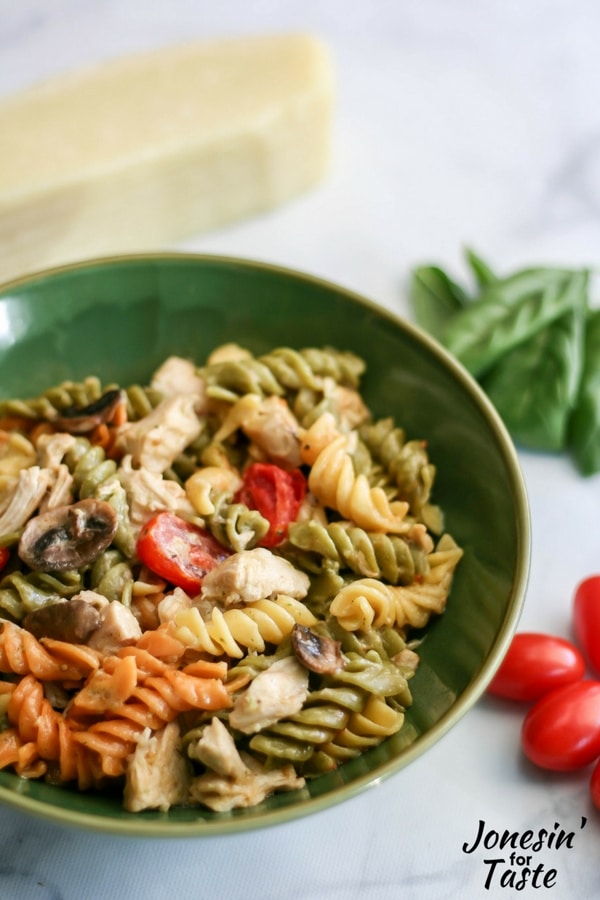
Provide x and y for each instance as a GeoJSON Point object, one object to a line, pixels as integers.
{"type": "Point", "coordinates": [49, 660]}
{"type": "Point", "coordinates": [123, 696]}
{"type": "Point", "coordinates": [40, 741]}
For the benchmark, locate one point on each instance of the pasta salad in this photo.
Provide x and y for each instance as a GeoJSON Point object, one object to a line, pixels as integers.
{"type": "Point", "coordinates": [209, 583]}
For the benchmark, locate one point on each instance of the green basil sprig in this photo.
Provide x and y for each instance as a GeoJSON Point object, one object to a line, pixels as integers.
{"type": "Point", "coordinates": [510, 311]}
{"type": "Point", "coordinates": [532, 341]}
{"type": "Point", "coordinates": [584, 426]}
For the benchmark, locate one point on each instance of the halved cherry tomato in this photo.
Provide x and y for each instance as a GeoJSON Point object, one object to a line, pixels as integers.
{"type": "Point", "coordinates": [562, 730]}
{"type": "Point", "coordinates": [178, 551]}
{"type": "Point", "coordinates": [535, 664]}
{"type": "Point", "coordinates": [4, 557]}
{"type": "Point", "coordinates": [277, 495]}
{"type": "Point", "coordinates": [586, 619]}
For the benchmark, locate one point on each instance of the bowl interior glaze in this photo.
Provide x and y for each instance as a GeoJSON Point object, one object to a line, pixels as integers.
{"type": "Point", "coordinates": [119, 319]}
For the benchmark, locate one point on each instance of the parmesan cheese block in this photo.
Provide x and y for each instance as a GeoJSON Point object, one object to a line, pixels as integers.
{"type": "Point", "coordinates": [150, 149]}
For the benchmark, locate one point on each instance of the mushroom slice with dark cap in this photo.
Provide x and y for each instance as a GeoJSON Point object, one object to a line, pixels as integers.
{"type": "Point", "coordinates": [316, 652]}
{"type": "Point", "coordinates": [68, 537]}
{"type": "Point", "coordinates": [82, 419]}
{"type": "Point", "coordinates": [66, 620]}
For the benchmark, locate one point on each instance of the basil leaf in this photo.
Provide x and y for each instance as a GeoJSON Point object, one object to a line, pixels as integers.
{"type": "Point", "coordinates": [482, 272]}
{"type": "Point", "coordinates": [435, 298]}
{"type": "Point", "coordinates": [535, 386]}
{"type": "Point", "coordinates": [584, 427]}
{"type": "Point", "coordinates": [511, 311]}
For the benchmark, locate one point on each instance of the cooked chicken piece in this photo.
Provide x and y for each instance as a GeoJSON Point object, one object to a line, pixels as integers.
{"type": "Point", "coordinates": [217, 751]}
{"type": "Point", "coordinates": [179, 376]}
{"type": "Point", "coordinates": [156, 441]}
{"type": "Point", "coordinates": [269, 423]}
{"type": "Point", "coordinates": [275, 430]}
{"type": "Point", "coordinates": [51, 448]}
{"type": "Point", "coordinates": [59, 489]}
{"type": "Point", "coordinates": [16, 453]}
{"type": "Point", "coordinates": [173, 603]}
{"type": "Point", "coordinates": [230, 783]}
{"type": "Point", "coordinates": [252, 575]}
{"type": "Point", "coordinates": [348, 406]}
{"type": "Point", "coordinates": [20, 497]}
{"type": "Point", "coordinates": [222, 794]}
{"type": "Point", "coordinates": [274, 694]}
{"type": "Point", "coordinates": [118, 628]}
{"type": "Point", "coordinates": [149, 493]}
{"type": "Point", "coordinates": [157, 775]}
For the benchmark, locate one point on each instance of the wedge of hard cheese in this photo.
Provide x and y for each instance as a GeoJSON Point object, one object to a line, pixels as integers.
{"type": "Point", "coordinates": [147, 150]}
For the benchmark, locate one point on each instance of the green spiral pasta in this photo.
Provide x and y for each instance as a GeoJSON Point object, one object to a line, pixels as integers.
{"type": "Point", "coordinates": [56, 400]}
{"type": "Point", "coordinates": [234, 525]}
{"type": "Point", "coordinates": [365, 728]}
{"type": "Point", "coordinates": [406, 462]}
{"type": "Point", "coordinates": [282, 372]}
{"type": "Point", "coordinates": [325, 713]}
{"type": "Point", "coordinates": [373, 554]}
{"type": "Point", "coordinates": [22, 593]}
{"type": "Point", "coordinates": [232, 379]}
{"type": "Point", "coordinates": [140, 401]}
{"type": "Point", "coordinates": [94, 476]}
{"type": "Point", "coordinates": [295, 369]}
{"type": "Point", "coordinates": [112, 576]}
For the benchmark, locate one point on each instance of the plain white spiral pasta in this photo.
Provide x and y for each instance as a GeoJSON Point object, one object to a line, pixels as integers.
{"type": "Point", "coordinates": [334, 483]}
{"type": "Point", "coordinates": [239, 629]}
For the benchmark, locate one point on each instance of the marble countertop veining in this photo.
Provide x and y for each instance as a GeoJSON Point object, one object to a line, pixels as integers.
{"type": "Point", "coordinates": [457, 124]}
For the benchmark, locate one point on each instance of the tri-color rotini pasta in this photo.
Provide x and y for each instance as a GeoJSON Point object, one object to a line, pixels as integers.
{"type": "Point", "coordinates": [211, 584]}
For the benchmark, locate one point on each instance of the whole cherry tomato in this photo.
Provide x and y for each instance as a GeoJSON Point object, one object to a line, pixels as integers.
{"type": "Point", "coordinates": [535, 664]}
{"type": "Point", "coordinates": [586, 619]}
{"type": "Point", "coordinates": [179, 551]}
{"type": "Point", "coordinates": [561, 731]}
{"type": "Point", "coordinates": [277, 495]}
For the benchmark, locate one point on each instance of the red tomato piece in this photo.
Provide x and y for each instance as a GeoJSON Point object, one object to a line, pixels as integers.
{"type": "Point", "coordinates": [179, 551]}
{"type": "Point", "coordinates": [4, 557]}
{"type": "Point", "coordinates": [586, 619]}
{"type": "Point", "coordinates": [276, 493]}
{"type": "Point", "coordinates": [562, 730]}
{"type": "Point", "coordinates": [535, 664]}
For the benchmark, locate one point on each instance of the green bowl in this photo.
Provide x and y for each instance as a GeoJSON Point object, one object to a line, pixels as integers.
{"type": "Point", "coordinates": [119, 318]}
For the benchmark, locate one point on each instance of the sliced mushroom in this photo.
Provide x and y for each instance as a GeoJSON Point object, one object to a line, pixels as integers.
{"type": "Point", "coordinates": [316, 652]}
{"type": "Point", "coordinates": [68, 537]}
{"type": "Point", "coordinates": [66, 620]}
{"type": "Point", "coordinates": [81, 419]}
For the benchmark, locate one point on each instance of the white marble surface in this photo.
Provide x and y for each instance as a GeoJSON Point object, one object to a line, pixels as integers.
{"type": "Point", "coordinates": [458, 123]}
